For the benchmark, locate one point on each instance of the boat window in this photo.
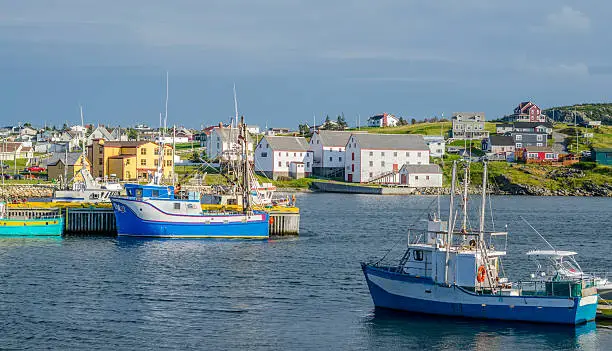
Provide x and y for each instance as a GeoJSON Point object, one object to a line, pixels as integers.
{"type": "Point", "coordinates": [138, 192]}
{"type": "Point", "coordinates": [177, 205]}
{"type": "Point", "coordinates": [418, 255]}
{"type": "Point", "coordinates": [155, 193]}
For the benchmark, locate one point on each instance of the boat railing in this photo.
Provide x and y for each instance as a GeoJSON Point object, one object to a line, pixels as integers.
{"type": "Point", "coordinates": [561, 288]}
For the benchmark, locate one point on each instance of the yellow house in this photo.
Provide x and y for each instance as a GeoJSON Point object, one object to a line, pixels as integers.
{"type": "Point", "coordinates": [129, 160]}
{"type": "Point", "coordinates": [57, 164]}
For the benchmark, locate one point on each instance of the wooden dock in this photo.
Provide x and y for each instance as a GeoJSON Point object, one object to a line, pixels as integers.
{"type": "Point", "coordinates": [99, 219]}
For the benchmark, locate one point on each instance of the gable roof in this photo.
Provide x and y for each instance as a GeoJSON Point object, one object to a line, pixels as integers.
{"type": "Point", "coordinates": [431, 168]}
{"type": "Point", "coordinates": [333, 138]}
{"type": "Point", "coordinates": [391, 141]}
{"type": "Point", "coordinates": [501, 140]}
{"type": "Point", "coordinates": [103, 131]}
{"type": "Point", "coordinates": [73, 158]}
{"type": "Point", "coordinates": [287, 143]}
{"type": "Point", "coordinates": [225, 133]}
{"type": "Point", "coordinates": [532, 124]}
{"type": "Point", "coordinates": [539, 149]}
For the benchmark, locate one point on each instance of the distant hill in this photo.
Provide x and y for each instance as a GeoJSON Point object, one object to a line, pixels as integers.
{"type": "Point", "coordinates": [583, 112]}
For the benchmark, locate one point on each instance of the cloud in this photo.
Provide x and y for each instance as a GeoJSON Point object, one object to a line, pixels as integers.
{"type": "Point", "coordinates": [558, 70]}
{"type": "Point", "coordinates": [566, 20]}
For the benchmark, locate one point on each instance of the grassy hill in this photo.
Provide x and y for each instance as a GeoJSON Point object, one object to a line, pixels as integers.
{"type": "Point", "coordinates": [583, 112]}
{"type": "Point", "coordinates": [430, 128]}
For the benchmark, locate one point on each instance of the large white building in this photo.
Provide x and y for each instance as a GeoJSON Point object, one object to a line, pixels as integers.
{"type": "Point", "coordinates": [276, 156]}
{"type": "Point", "coordinates": [376, 156]}
{"type": "Point", "coordinates": [222, 144]}
{"type": "Point", "coordinates": [328, 148]}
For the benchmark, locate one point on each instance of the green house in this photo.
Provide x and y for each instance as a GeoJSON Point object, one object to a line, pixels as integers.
{"type": "Point", "coordinates": [602, 156]}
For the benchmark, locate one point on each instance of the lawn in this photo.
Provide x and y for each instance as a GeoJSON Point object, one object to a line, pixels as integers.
{"type": "Point", "coordinates": [21, 164]}
{"type": "Point", "coordinates": [433, 128]}
{"type": "Point", "coordinates": [602, 138]}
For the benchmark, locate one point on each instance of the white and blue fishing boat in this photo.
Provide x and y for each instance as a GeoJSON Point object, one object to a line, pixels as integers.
{"type": "Point", "coordinates": [153, 210]}
{"type": "Point", "coordinates": [459, 273]}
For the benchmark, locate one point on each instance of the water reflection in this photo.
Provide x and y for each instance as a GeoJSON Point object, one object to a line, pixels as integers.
{"type": "Point", "coordinates": [28, 240]}
{"type": "Point", "coordinates": [419, 331]}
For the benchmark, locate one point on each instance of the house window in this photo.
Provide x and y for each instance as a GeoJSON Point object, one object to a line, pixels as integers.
{"type": "Point", "coordinates": [330, 159]}
{"type": "Point", "coordinates": [519, 145]}
{"type": "Point", "coordinates": [143, 151]}
{"type": "Point", "coordinates": [371, 153]}
{"type": "Point", "coordinates": [418, 154]}
{"type": "Point", "coordinates": [279, 154]}
{"type": "Point", "coordinates": [540, 137]}
{"type": "Point", "coordinates": [156, 152]}
{"type": "Point", "coordinates": [426, 177]}
{"type": "Point", "coordinates": [317, 141]}
{"type": "Point", "coordinates": [371, 163]}
{"type": "Point", "coordinates": [287, 154]}
{"type": "Point", "coordinates": [156, 162]}
{"type": "Point", "coordinates": [519, 137]}
{"type": "Point", "coordinates": [353, 156]}
{"type": "Point", "coordinates": [143, 162]}
{"type": "Point", "coordinates": [382, 163]}
{"type": "Point", "coordinates": [382, 153]}
{"type": "Point", "coordinates": [168, 162]}
{"type": "Point", "coordinates": [280, 164]}
{"type": "Point", "coordinates": [307, 164]}
{"type": "Point", "coordinates": [127, 161]}
{"type": "Point", "coordinates": [395, 154]}
{"type": "Point", "coordinates": [100, 161]}
{"type": "Point", "coordinates": [264, 154]}
{"type": "Point", "coordinates": [339, 159]}
{"type": "Point", "coordinates": [295, 154]}
{"type": "Point", "coordinates": [416, 177]}
{"type": "Point", "coordinates": [407, 154]}
{"type": "Point", "coordinates": [217, 145]}
{"type": "Point", "coordinates": [539, 144]}
{"type": "Point", "coordinates": [287, 163]}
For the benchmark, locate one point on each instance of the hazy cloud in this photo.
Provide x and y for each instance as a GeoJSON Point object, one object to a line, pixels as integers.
{"type": "Point", "coordinates": [567, 20]}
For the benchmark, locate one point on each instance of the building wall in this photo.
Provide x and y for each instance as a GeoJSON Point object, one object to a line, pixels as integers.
{"type": "Point", "coordinates": [522, 139]}
{"type": "Point", "coordinates": [421, 180]}
{"type": "Point", "coordinates": [603, 157]}
{"type": "Point", "coordinates": [138, 167]}
{"type": "Point", "coordinates": [437, 146]}
{"type": "Point", "coordinates": [57, 171]}
{"type": "Point", "coordinates": [279, 161]}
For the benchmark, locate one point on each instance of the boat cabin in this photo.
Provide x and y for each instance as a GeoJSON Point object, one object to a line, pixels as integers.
{"type": "Point", "coordinates": [150, 191]}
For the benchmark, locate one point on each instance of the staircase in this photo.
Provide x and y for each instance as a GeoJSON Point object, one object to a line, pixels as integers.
{"type": "Point", "coordinates": [382, 176]}
{"type": "Point", "coordinates": [489, 272]}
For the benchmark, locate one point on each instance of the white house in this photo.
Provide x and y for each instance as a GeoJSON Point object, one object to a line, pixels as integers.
{"type": "Point", "coordinates": [421, 176]}
{"type": "Point", "coordinates": [437, 145]}
{"type": "Point", "coordinates": [328, 148]}
{"type": "Point", "coordinates": [222, 144]}
{"type": "Point", "coordinates": [171, 139]}
{"type": "Point", "coordinates": [99, 133]}
{"type": "Point", "coordinates": [253, 129]}
{"type": "Point", "coordinates": [10, 151]}
{"type": "Point", "coordinates": [384, 120]}
{"type": "Point", "coordinates": [277, 156]}
{"type": "Point", "coordinates": [373, 157]}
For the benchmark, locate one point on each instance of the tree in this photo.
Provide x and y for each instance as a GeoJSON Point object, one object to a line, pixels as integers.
{"type": "Point", "coordinates": [341, 123]}
{"type": "Point", "coordinates": [328, 124]}
{"type": "Point", "coordinates": [402, 121]}
{"type": "Point", "coordinates": [413, 121]}
{"type": "Point", "coordinates": [132, 134]}
{"type": "Point", "coordinates": [65, 127]}
{"type": "Point", "coordinates": [304, 129]}
{"type": "Point", "coordinates": [27, 124]}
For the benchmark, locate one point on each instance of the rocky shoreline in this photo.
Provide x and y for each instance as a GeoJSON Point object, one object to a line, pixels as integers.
{"type": "Point", "coordinates": [22, 192]}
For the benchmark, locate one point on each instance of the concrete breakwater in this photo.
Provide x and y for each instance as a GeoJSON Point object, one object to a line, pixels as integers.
{"type": "Point", "coordinates": [502, 186]}
{"type": "Point", "coordinates": [16, 192]}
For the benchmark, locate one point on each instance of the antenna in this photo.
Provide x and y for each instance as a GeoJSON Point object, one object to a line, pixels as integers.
{"type": "Point", "coordinates": [235, 104]}
{"type": "Point", "coordinates": [166, 113]}
{"type": "Point", "coordinates": [538, 234]}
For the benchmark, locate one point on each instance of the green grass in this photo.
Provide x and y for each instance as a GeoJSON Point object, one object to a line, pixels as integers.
{"type": "Point", "coordinates": [21, 164]}
{"type": "Point", "coordinates": [187, 146]}
{"type": "Point", "coordinates": [602, 138]}
{"type": "Point", "coordinates": [430, 128]}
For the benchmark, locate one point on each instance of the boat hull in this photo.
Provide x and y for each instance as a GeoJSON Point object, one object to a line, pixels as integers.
{"type": "Point", "coordinates": [136, 218]}
{"type": "Point", "coordinates": [408, 293]}
{"type": "Point", "coordinates": [32, 227]}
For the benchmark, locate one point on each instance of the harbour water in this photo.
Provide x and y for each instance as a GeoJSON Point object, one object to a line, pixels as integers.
{"type": "Point", "coordinates": [306, 292]}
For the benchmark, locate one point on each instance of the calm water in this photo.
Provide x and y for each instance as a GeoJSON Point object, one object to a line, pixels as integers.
{"type": "Point", "coordinates": [301, 293]}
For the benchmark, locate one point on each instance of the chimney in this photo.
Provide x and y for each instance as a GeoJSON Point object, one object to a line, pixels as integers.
{"type": "Point", "coordinates": [220, 124]}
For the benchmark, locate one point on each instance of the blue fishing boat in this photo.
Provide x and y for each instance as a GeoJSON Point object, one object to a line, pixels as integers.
{"type": "Point", "coordinates": [459, 273]}
{"type": "Point", "coordinates": [153, 210]}
{"type": "Point", "coordinates": [44, 225]}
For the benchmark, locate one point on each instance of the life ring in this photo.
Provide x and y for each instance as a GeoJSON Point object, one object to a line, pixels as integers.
{"type": "Point", "coordinates": [481, 274]}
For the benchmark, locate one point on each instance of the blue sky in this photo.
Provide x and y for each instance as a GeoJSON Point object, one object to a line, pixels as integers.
{"type": "Point", "coordinates": [292, 59]}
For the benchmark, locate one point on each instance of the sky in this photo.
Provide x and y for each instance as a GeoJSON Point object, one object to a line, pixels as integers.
{"type": "Point", "coordinates": [295, 60]}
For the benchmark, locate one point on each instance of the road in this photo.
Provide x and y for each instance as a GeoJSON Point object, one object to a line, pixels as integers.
{"type": "Point", "coordinates": [558, 142]}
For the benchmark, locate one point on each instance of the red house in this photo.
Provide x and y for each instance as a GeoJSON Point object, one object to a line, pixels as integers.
{"type": "Point", "coordinates": [528, 112]}
{"type": "Point", "coordinates": [538, 154]}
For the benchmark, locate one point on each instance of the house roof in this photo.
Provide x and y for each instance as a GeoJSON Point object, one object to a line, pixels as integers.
{"type": "Point", "coordinates": [72, 158]}
{"type": "Point", "coordinates": [501, 140]}
{"type": "Point", "coordinates": [225, 133]}
{"type": "Point", "coordinates": [538, 149]}
{"type": "Point", "coordinates": [602, 149]}
{"type": "Point", "coordinates": [10, 146]}
{"type": "Point", "coordinates": [391, 141]}
{"type": "Point", "coordinates": [469, 115]}
{"type": "Point", "coordinates": [125, 143]}
{"type": "Point", "coordinates": [503, 125]}
{"type": "Point", "coordinates": [432, 168]}
{"type": "Point", "coordinates": [333, 138]}
{"type": "Point", "coordinates": [532, 124]}
{"type": "Point", "coordinates": [287, 143]}
{"type": "Point", "coordinates": [100, 129]}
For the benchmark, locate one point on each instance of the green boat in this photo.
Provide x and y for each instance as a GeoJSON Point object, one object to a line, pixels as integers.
{"type": "Point", "coordinates": [43, 225]}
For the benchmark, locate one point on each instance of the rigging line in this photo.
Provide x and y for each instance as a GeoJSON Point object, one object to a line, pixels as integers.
{"type": "Point", "coordinates": [401, 238]}
{"type": "Point", "coordinates": [546, 241]}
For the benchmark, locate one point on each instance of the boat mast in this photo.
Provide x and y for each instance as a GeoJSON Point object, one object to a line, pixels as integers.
{"type": "Point", "coordinates": [449, 235]}
{"type": "Point", "coordinates": [466, 182]}
{"type": "Point", "coordinates": [246, 186]}
{"type": "Point", "coordinates": [484, 200]}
